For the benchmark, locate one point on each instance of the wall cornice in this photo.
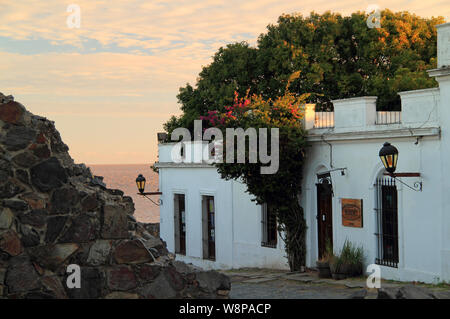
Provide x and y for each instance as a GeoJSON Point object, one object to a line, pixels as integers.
{"type": "Point", "coordinates": [374, 134]}
{"type": "Point", "coordinates": [439, 72]}
{"type": "Point", "coordinates": [182, 165]}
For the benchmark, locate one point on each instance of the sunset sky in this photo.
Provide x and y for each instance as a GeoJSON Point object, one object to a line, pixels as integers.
{"type": "Point", "coordinates": [110, 84]}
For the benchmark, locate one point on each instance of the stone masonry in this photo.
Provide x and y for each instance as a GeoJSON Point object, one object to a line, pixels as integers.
{"type": "Point", "coordinates": [54, 213]}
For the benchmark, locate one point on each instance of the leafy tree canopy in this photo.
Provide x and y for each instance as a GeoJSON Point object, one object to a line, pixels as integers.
{"type": "Point", "coordinates": [337, 57]}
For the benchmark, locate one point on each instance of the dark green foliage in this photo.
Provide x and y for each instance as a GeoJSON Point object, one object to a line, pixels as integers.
{"type": "Point", "coordinates": [338, 57]}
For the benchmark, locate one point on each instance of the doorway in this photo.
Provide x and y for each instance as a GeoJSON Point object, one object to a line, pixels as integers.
{"type": "Point", "coordinates": [324, 213]}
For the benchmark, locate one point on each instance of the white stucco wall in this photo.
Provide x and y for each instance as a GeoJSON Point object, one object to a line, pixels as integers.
{"type": "Point", "coordinates": [247, 235]}
{"type": "Point", "coordinates": [238, 219]}
{"type": "Point", "coordinates": [419, 213]}
{"type": "Point", "coordinates": [444, 169]}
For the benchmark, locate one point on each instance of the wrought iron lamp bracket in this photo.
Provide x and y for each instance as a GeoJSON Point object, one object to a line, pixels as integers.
{"type": "Point", "coordinates": [417, 186]}
{"type": "Point", "coordinates": [159, 201]}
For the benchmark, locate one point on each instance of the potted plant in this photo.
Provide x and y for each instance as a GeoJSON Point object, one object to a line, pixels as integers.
{"type": "Point", "coordinates": [337, 268]}
{"type": "Point", "coordinates": [323, 264]}
{"type": "Point", "coordinates": [349, 263]}
{"type": "Point", "coordinates": [353, 258]}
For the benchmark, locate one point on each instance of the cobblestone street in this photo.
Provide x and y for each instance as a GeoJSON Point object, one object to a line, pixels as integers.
{"type": "Point", "coordinates": [275, 284]}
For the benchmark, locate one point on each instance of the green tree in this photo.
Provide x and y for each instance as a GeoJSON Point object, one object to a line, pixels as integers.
{"type": "Point", "coordinates": [338, 57]}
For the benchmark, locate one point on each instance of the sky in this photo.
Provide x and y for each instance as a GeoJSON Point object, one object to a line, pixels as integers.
{"type": "Point", "coordinates": [110, 84]}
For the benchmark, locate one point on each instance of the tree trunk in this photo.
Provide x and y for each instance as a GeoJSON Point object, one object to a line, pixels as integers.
{"type": "Point", "coordinates": [293, 229]}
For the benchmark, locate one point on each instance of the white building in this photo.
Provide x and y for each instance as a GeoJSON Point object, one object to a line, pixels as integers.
{"type": "Point", "coordinates": [406, 231]}
{"type": "Point", "coordinates": [194, 196]}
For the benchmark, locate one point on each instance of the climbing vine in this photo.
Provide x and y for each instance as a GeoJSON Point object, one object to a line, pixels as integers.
{"type": "Point", "coordinates": [281, 190]}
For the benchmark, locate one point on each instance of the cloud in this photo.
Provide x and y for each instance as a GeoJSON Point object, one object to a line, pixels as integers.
{"type": "Point", "coordinates": [120, 72]}
{"type": "Point", "coordinates": [112, 74]}
{"type": "Point", "coordinates": [158, 25]}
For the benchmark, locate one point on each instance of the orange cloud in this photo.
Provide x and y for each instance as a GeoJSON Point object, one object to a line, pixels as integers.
{"type": "Point", "coordinates": [110, 103]}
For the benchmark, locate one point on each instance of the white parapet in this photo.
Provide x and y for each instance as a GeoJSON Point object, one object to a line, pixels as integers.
{"type": "Point", "coordinates": [186, 152]}
{"type": "Point", "coordinates": [420, 106]}
{"type": "Point", "coordinates": [165, 152]}
{"type": "Point", "coordinates": [357, 113]}
{"type": "Point", "coordinates": [310, 115]}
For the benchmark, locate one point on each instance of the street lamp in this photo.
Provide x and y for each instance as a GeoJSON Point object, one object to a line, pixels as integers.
{"type": "Point", "coordinates": [389, 155]}
{"type": "Point", "coordinates": [140, 183]}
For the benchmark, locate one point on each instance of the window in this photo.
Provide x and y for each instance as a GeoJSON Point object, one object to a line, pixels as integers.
{"type": "Point", "coordinates": [387, 222]}
{"type": "Point", "coordinates": [182, 153]}
{"type": "Point", "coordinates": [209, 228]}
{"type": "Point", "coordinates": [269, 227]}
{"type": "Point", "coordinates": [180, 224]}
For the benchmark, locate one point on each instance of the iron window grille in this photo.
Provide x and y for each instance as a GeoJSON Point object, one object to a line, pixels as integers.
{"type": "Point", "coordinates": [269, 227]}
{"type": "Point", "coordinates": [387, 222]}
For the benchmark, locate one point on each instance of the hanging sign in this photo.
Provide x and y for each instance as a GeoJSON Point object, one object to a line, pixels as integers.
{"type": "Point", "coordinates": [352, 212]}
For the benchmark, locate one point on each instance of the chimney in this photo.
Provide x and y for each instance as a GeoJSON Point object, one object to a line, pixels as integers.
{"type": "Point", "coordinates": [443, 45]}
{"type": "Point", "coordinates": [442, 73]}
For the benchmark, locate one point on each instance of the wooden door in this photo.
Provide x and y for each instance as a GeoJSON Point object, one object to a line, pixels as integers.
{"type": "Point", "coordinates": [324, 216]}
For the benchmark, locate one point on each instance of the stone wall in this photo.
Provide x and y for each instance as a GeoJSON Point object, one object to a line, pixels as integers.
{"type": "Point", "coordinates": [54, 213]}
{"type": "Point", "coordinates": [152, 228]}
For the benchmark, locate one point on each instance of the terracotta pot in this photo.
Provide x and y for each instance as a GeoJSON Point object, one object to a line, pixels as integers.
{"type": "Point", "coordinates": [324, 269]}
{"type": "Point", "coordinates": [334, 267]}
{"type": "Point", "coordinates": [346, 269]}
{"type": "Point", "coordinates": [339, 276]}
{"type": "Point", "coordinates": [350, 270]}
{"type": "Point", "coordinates": [356, 270]}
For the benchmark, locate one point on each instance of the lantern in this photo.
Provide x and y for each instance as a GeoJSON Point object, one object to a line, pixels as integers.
{"type": "Point", "coordinates": [140, 182]}
{"type": "Point", "coordinates": [389, 155]}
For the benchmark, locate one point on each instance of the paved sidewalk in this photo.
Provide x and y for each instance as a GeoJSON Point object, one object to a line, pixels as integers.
{"type": "Point", "coordinates": [277, 284]}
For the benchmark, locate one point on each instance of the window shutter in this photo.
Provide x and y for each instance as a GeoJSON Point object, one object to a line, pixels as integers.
{"type": "Point", "coordinates": [176, 222]}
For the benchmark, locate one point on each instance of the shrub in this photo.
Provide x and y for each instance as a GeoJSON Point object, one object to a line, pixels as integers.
{"type": "Point", "coordinates": [349, 261]}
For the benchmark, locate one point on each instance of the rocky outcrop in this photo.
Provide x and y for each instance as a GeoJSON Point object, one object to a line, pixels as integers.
{"type": "Point", "coordinates": [55, 213]}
